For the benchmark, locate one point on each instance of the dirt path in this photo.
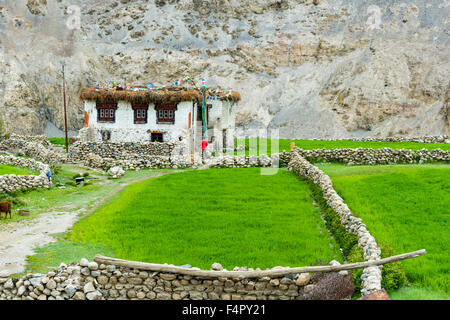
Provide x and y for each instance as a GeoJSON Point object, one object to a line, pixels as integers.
{"type": "Point", "coordinates": [18, 239]}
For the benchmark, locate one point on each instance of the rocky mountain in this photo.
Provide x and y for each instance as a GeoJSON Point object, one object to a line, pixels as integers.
{"type": "Point", "coordinates": [312, 68]}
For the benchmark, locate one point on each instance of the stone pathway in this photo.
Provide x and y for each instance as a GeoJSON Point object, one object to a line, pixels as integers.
{"type": "Point", "coordinates": [18, 239]}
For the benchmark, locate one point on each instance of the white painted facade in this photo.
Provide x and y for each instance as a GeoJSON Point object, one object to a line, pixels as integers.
{"type": "Point", "coordinates": [221, 123]}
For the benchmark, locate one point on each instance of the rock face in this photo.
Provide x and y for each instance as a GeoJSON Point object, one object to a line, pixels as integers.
{"type": "Point", "coordinates": [314, 69]}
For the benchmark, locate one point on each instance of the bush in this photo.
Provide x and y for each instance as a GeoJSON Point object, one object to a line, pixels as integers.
{"type": "Point", "coordinates": [393, 274]}
{"type": "Point", "coordinates": [86, 174]}
{"type": "Point", "coordinates": [56, 169]}
{"type": "Point", "coordinates": [76, 176]}
{"type": "Point", "coordinates": [13, 197]}
{"type": "Point", "coordinates": [330, 286]}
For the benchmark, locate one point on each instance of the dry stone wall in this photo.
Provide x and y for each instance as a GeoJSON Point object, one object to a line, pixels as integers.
{"type": "Point", "coordinates": [36, 148]}
{"type": "Point", "coordinates": [91, 281]}
{"type": "Point", "coordinates": [11, 182]}
{"type": "Point", "coordinates": [424, 139]}
{"type": "Point", "coordinates": [371, 278]}
{"type": "Point", "coordinates": [369, 156]}
{"type": "Point", "coordinates": [128, 155]}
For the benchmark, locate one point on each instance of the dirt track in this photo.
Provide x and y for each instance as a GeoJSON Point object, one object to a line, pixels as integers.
{"type": "Point", "coordinates": [18, 239]}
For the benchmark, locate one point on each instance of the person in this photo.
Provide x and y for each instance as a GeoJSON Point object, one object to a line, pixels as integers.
{"type": "Point", "coordinates": [49, 176]}
{"type": "Point", "coordinates": [204, 146]}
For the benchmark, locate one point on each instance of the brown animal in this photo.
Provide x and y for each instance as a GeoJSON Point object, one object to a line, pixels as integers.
{"type": "Point", "coordinates": [5, 206]}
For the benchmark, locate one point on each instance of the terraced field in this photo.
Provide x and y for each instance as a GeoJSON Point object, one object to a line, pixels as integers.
{"type": "Point", "coordinates": [233, 216]}
{"type": "Point", "coordinates": [408, 208]}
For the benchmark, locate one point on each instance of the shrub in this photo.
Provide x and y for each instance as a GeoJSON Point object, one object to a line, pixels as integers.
{"type": "Point", "coordinates": [76, 176]}
{"type": "Point", "coordinates": [56, 169]}
{"type": "Point", "coordinates": [330, 286]}
{"type": "Point", "coordinates": [86, 174]}
{"type": "Point", "coordinates": [393, 274]}
{"type": "Point", "coordinates": [347, 241]}
{"type": "Point", "coordinates": [13, 197]}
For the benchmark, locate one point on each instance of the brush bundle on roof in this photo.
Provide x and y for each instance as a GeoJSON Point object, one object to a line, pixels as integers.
{"type": "Point", "coordinates": [170, 95]}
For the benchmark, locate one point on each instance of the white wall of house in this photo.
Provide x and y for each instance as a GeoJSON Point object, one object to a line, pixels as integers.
{"type": "Point", "coordinates": [221, 117]}
{"type": "Point", "coordinates": [125, 130]}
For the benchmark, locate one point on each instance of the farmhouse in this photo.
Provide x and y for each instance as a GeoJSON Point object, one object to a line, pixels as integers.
{"type": "Point", "coordinates": [168, 114]}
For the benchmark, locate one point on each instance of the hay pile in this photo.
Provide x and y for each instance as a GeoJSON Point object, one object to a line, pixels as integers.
{"type": "Point", "coordinates": [170, 95]}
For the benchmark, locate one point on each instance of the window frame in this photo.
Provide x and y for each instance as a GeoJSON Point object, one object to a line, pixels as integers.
{"type": "Point", "coordinates": [106, 112]}
{"type": "Point", "coordinates": [139, 109]}
{"type": "Point", "coordinates": [165, 113]}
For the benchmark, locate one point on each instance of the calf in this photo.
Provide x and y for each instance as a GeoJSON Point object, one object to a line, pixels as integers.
{"type": "Point", "coordinates": [5, 206]}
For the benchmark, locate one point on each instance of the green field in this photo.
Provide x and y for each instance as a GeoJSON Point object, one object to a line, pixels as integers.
{"type": "Point", "coordinates": [285, 144]}
{"type": "Point", "coordinates": [408, 208]}
{"type": "Point", "coordinates": [20, 171]}
{"type": "Point", "coordinates": [58, 141]}
{"type": "Point", "coordinates": [65, 195]}
{"type": "Point", "coordinates": [233, 216]}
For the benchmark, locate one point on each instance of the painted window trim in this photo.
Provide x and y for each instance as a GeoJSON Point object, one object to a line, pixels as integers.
{"type": "Point", "coordinates": [106, 107]}
{"type": "Point", "coordinates": [140, 107]}
{"type": "Point", "coordinates": [169, 108]}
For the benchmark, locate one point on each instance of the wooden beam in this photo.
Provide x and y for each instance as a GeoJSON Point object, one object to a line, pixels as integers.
{"type": "Point", "coordinates": [251, 274]}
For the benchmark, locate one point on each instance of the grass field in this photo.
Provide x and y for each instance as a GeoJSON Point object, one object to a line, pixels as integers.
{"type": "Point", "coordinates": [58, 141]}
{"type": "Point", "coordinates": [229, 216]}
{"type": "Point", "coordinates": [285, 144]}
{"type": "Point", "coordinates": [407, 207]}
{"type": "Point", "coordinates": [70, 198]}
{"type": "Point", "coordinates": [7, 169]}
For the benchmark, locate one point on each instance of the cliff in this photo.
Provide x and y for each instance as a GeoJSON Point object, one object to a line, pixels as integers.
{"type": "Point", "coordinates": [313, 68]}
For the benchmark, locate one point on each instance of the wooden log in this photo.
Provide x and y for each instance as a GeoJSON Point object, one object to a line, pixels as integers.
{"type": "Point", "coordinates": [251, 274]}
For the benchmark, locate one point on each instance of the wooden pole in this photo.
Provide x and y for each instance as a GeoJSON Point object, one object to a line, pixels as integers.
{"type": "Point", "coordinates": [251, 274]}
{"type": "Point", "coordinates": [65, 110]}
{"type": "Point", "coordinates": [292, 146]}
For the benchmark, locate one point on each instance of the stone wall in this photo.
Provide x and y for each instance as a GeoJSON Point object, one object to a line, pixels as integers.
{"type": "Point", "coordinates": [11, 182]}
{"type": "Point", "coordinates": [129, 155]}
{"type": "Point", "coordinates": [426, 139]}
{"type": "Point", "coordinates": [369, 156]}
{"type": "Point", "coordinates": [91, 281]}
{"type": "Point", "coordinates": [33, 146]}
{"type": "Point", "coordinates": [371, 278]}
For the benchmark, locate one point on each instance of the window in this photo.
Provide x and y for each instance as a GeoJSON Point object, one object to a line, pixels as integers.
{"type": "Point", "coordinates": [157, 137]}
{"type": "Point", "coordinates": [165, 113]}
{"type": "Point", "coordinates": [140, 112]}
{"type": "Point", "coordinates": [106, 111]}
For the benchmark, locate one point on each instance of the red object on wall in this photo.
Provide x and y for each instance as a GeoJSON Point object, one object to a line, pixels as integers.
{"type": "Point", "coordinates": [189, 120]}
{"type": "Point", "coordinates": [86, 119]}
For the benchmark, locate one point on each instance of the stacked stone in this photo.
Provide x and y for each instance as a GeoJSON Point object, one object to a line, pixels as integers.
{"type": "Point", "coordinates": [91, 281]}
{"type": "Point", "coordinates": [95, 161]}
{"type": "Point", "coordinates": [45, 153]}
{"type": "Point", "coordinates": [11, 182]}
{"type": "Point", "coordinates": [242, 161]}
{"type": "Point", "coordinates": [42, 139]}
{"type": "Point", "coordinates": [369, 156]}
{"type": "Point", "coordinates": [371, 280]}
{"type": "Point", "coordinates": [424, 139]}
{"type": "Point", "coordinates": [79, 151]}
